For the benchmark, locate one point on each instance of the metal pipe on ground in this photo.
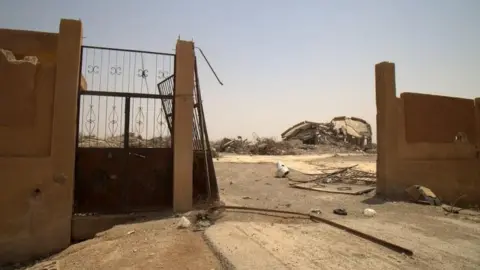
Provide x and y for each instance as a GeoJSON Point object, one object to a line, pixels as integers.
{"type": "Point", "coordinates": [316, 218]}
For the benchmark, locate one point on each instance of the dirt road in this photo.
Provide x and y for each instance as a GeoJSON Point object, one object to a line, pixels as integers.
{"type": "Point", "coordinates": [156, 244]}
{"type": "Point", "coordinates": [252, 241]}
{"type": "Point", "coordinates": [438, 241]}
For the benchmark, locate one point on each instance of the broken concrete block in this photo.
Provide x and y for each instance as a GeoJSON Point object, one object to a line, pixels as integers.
{"type": "Point", "coordinates": [422, 194]}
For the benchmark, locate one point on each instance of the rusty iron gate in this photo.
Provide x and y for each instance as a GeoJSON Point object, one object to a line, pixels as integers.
{"type": "Point", "coordinates": [124, 158]}
{"type": "Point", "coordinates": [205, 186]}
{"type": "Point", "coordinates": [124, 153]}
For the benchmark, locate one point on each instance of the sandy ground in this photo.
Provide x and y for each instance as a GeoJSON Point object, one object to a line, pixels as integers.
{"type": "Point", "coordinates": [438, 241]}
{"type": "Point", "coordinates": [310, 164]}
{"type": "Point", "coordinates": [253, 241]}
{"type": "Point", "coordinates": [154, 244]}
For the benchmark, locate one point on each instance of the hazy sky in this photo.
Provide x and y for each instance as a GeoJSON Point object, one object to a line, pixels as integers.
{"type": "Point", "coordinates": [283, 62]}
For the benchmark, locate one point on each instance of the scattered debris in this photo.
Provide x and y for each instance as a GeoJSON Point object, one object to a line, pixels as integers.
{"type": "Point", "coordinates": [343, 180]}
{"type": "Point", "coordinates": [449, 209]}
{"type": "Point", "coordinates": [455, 202]}
{"type": "Point", "coordinates": [202, 220]}
{"type": "Point", "coordinates": [184, 223]}
{"type": "Point", "coordinates": [340, 211]}
{"type": "Point", "coordinates": [347, 175]}
{"type": "Point", "coordinates": [282, 170]}
{"type": "Point", "coordinates": [260, 146]}
{"type": "Point", "coordinates": [199, 220]}
{"type": "Point", "coordinates": [135, 140]}
{"type": "Point", "coordinates": [369, 212]}
{"type": "Point", "coordinates": [348, 132]}
{"type": "Point", "coordinates": [204, 223]}
{"type": "Point", "coordinates": [424, 195]}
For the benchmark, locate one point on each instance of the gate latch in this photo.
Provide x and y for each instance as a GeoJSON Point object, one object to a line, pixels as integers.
{"type": "Point", "coordinates": [137, 155]}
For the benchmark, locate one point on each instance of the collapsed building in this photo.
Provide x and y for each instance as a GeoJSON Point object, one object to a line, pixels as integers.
{"type": "Point", "coordinates": [341, 129]}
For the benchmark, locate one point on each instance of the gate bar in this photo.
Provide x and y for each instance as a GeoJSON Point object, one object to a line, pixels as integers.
{"type": "Point", "coordinates": [127, 50]}
{"type": "Point", "coordinates": [126, 128]}
{"type": "Point", "coordinates": [125, 95]}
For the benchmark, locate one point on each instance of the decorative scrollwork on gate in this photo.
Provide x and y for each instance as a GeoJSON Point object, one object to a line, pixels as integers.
{"type": "Point", "coordinates": [159, 122]}
{"type": "Point", "coordinates": [93, 69]}
{"type": "Point", "coordinates": [127, 71]}
{"type": "Point", "coordinates": [126, 75]}
{"type": "Point", "coordinates": [116, 70]}
{"type": "Point", "coordinates": [143, 73]}
{"type": "Point", "coordinates": [139, 120]}
{"type": "Point", "coordinates": [162, 75]}
{"type": "Point", "coordinates": [90, 121]}
{"type": "Point", "coordinates": [113, 121]}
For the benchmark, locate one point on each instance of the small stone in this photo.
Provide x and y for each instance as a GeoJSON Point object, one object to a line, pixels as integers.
{"type": "Point", "coordinates": [184, 223]}
{"type": "Point", "coordinates": [246, 197]}
{"type": "Point", "coordinates": [130, 232]}
{"type": "Point", "coordinates": [369, 212]}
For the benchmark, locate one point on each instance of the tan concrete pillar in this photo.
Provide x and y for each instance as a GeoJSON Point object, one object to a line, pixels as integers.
{"type": "Point", "coordinates": [65, 125]}
{"type": "Point", "coordinates": [476, 185]}
{"type": "Point", "coordinates": [477, 121]}
{"type": "Point", "coordinates": [183, 127]}
{"type": "Point", "coordinates": [387, 124]}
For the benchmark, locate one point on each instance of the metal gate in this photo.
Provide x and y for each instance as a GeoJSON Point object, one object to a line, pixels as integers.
{"type": "Point", "coordinates": [124, 153]}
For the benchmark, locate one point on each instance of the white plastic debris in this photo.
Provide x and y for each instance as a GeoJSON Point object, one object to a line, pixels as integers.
{"type": "Point", "coordinates": [369, 212]}
{"type": "Point", "coordinates": [282, 170]}
{"type": "Point", "coordinates": [184, 223]}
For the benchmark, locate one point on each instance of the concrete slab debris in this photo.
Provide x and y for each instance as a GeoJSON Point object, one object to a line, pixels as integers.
{"type": "Point", "coordinates": [339, 131]}
{"type": "Point", "coordinates": [334, 188]}
{"type": "Point", "coordinates": [422, 194]}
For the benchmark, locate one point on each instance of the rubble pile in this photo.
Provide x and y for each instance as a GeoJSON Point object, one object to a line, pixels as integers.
{"type": "Point", "coordinates": [259, 146]}
{"type": "Point", "coordinates": [344, 132]}
{"type": "Point", "coordinates": [117, 141]}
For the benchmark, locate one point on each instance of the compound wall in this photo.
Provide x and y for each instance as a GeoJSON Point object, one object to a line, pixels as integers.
{"type": "Point", "coordinates": [38, 101]}
{"type": "Point", "coordinates": [426, 140]}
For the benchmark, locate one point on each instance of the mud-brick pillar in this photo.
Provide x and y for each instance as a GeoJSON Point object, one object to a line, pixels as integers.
{"type": "Point", "coordinates": [387, 125]}
{"type": "Point", "coordinates": [65, 126]}
{"type": "Point", "coordinates": [183, 127]}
